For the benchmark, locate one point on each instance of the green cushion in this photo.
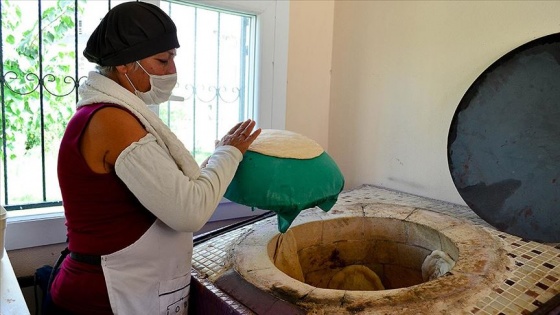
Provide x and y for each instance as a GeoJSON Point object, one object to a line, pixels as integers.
{"type": "Point", "coordinates": [286, 186]}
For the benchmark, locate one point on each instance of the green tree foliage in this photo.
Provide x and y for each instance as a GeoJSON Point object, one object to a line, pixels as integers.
{"type": "Point", "coordinates": [39, 71]}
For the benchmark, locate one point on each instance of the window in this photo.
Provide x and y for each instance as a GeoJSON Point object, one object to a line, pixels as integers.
{"type": "Point", "coordinates": [231, 66]}
{"type": "Point", "coordinates": [215, 75]}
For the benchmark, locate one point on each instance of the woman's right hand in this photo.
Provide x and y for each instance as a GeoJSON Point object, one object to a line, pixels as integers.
{"type": "Point", "coordinates": [241, 135]}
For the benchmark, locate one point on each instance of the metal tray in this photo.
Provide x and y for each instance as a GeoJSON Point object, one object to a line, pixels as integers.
{"type": "Point", "coordinates": [504, 142]}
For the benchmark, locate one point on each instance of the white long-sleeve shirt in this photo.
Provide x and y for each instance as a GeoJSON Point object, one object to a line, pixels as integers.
{"type": "Point", "coordinates": [184, 204]}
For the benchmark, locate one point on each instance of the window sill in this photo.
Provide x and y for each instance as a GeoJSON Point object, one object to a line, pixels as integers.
{"type": "Point", "coordinates": [35, 227]}
{"type": "Point", "coordinates": [46, 226]}
{"type": "Point", "coordinates": [35, 214]}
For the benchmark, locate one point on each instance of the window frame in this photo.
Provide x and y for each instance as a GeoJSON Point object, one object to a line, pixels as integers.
{"type": "Point", "coordinates": [46, 226]}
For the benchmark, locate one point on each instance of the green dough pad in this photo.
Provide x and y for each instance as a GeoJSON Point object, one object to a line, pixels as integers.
{"type": "Point", "coordinates": [286, 185]}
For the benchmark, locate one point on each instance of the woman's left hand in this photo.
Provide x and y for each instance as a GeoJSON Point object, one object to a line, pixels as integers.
{"type": "Point", "coordinates": [241, 135]}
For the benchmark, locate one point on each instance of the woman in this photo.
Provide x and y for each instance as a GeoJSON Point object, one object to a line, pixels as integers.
{"type": "Point", "coordinates": [132, 193]}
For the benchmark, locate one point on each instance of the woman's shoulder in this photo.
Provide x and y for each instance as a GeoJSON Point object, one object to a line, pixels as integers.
{"type": "Point", "coordinates": [111, 130]}
{"type": "Point", "coordinates": [115, 118]}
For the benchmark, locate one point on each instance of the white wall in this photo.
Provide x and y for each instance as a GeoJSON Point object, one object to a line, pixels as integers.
{"type": "Point", "coordinates": [309, 67]}
{"type": "Point", "coordinates": [399, 69]}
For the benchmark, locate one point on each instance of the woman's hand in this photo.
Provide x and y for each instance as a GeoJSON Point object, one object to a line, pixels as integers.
{"type": "Point", "coordinates": [241, 135]}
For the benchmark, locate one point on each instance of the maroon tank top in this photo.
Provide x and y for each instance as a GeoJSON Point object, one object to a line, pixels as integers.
{"type": "Point", "coordinates": [102, 216]}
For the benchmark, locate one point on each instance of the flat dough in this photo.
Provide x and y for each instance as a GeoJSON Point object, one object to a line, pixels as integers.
{"type": "Point", "coordinates": [286, 257]}
{"type": "Point", "coordinates": [356, 278]}
{"type": "Point", "coordinates": [285, 144]}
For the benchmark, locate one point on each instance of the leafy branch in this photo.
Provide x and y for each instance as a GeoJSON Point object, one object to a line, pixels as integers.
{"type": "Point", "coordinates": [34, 114]}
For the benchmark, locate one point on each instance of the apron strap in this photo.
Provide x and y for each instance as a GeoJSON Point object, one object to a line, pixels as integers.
{"type": "Point", "coordinates": [85, 258]}
{"type": "Point", "coordinates": [63, 255]}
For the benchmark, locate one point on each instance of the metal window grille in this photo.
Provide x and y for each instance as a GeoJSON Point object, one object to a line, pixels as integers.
{"type": "Point", "coordinates": [42, 67]}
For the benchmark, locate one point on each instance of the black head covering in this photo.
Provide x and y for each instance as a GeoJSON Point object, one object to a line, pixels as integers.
{"type": "Point", "coordinates": [129, 32]}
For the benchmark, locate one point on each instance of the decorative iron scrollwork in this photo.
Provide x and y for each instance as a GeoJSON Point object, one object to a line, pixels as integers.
{"type": "Point", "coordinates": [25, 89]}
{"type": "Point", "coordinates": [223, 93]}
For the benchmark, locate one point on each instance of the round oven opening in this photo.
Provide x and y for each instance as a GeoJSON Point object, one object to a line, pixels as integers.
{"type": "Point", "coordinates": [392, 241]}
{"type": "Point", "coordinates": [364, 254]}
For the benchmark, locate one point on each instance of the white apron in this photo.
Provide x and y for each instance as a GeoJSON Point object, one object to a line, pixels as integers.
{"type": "Point", "coordinates": [151, 276]}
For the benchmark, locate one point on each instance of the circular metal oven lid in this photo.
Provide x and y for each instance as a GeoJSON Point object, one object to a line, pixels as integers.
{"type": "Point", "coordinates": [503, 145]}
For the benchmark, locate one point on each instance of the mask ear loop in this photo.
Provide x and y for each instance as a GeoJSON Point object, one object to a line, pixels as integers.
{"type": "Point", "coordinates": [126, 75]}
{"type": "Point", "coordinates": [143, 69]}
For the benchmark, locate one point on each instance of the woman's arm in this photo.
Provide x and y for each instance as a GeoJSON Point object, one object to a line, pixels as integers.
{"type": "Point", "coordinates": [182, 203]}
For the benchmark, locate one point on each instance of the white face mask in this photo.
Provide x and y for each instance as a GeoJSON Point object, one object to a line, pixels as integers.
{"type": "Point", "coordinates": [161, 87]}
